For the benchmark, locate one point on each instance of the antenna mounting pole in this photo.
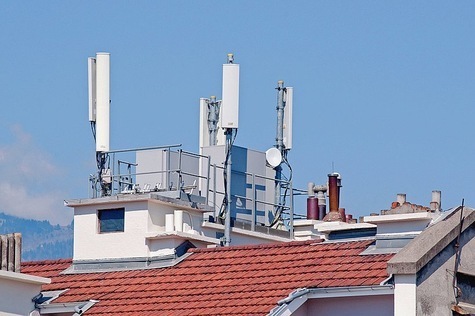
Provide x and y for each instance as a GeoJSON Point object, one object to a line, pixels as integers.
{"type": "Point", "coordinates": [213, 119]}
{"type": "Point", "coordinates": [229, 131]}
{"type": "Point", "coordinates": [279, 143]}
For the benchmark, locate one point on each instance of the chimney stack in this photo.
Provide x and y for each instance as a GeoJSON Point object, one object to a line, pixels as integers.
{"type": "Point", "coordinates": [10, 249]}
{"type": "Point", "coordinates": [435, 204]}
{"type": "Point", "coordinates": [401, 198]}
{"type": "Point", "coordinates": [333, 191]}
{"type": "Point", "coordinates": [334, 185]}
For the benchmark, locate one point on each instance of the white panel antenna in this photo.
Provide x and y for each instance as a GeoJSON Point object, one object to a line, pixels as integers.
{"type": "Point", "coordinates": [102, 102]}
{"type": "Point", "coordinates": [229, 117]}
{"type": "Point", "coordinates": [204, 132]}
{"type": "Point", "coordinates": [220, 137]}
{"type": "Point", "coordinates": [91, 85]}
{"type": "Point", "coordinates": [288, 98]}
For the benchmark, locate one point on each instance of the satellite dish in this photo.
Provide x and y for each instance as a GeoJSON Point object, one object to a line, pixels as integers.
{"type": "Point", "coordinates": [273, 157]}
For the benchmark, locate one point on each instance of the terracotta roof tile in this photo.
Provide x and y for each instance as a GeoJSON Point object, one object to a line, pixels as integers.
{"type": "Point", "coordinates": [239, 280]}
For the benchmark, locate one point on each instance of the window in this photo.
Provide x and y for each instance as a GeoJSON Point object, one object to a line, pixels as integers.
{"type": "Point", "coordinates": [111, 220]}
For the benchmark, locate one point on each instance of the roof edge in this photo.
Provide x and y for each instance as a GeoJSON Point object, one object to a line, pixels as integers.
{"type": "Point", "coordinates": [429, 243]}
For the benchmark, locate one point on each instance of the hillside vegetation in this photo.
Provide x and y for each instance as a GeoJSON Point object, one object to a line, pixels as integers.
{"type": "Point", "coordinates": [40, 239]}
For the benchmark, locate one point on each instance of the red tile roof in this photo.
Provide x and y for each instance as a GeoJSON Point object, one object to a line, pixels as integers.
{"type": "Point", "coordinates": [243, 280]}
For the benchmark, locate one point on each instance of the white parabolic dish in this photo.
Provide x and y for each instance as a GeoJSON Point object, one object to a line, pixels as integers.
{"type": "Point", "coordinates": [273, 157]}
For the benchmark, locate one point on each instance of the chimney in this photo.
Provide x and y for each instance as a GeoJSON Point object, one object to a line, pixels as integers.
{"type": "Point", "coordinates": [10, 248]}
{"type": "Point", "coordinates": [333, 192]}
{"type": "Point", "coordinates": [435, 204]}
{"type": "Point", "coordinates": [312, 202]}
{"type": "Point", "coordinates": [401, 198]}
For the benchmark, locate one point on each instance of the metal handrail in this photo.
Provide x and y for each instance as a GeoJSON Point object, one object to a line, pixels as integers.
{"type": "Point", "coordinates": [126, 180]}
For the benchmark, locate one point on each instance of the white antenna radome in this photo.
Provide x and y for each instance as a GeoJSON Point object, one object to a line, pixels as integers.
{"type": "Point", "coordinates": [273, 157]}
{"type": "Point", "coordinates": [102, 102]}
{"type": "Point", "coordinates": [229, 116]}
{"type": "Point", "coordinates": [287, 126]}
{"type": "Point", "coordinates": [91, 85]}
{"type": "Point", "coordinates": [204, 138]}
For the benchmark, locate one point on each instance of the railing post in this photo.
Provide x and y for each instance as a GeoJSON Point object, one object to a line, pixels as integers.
{"type": "Point", "coordinates": [207, 180]}
{"type": "Point", "coordinates": [253, 221]}
{"type": "Point", "coordinates": [291, 224]}
{"type": "Point", "coordinates": [168, 168]}
{"type": "Point", "coordinates": [214, 191]}
{"type": "Point", "coordinates": [179, 184]}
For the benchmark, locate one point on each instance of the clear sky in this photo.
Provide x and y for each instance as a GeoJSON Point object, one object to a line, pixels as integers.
{"type": "Point", "coordinates": [383, 90]}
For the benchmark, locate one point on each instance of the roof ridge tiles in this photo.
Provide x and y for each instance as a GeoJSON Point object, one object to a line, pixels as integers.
{"type": "Point", "coordinates": [258, 246]}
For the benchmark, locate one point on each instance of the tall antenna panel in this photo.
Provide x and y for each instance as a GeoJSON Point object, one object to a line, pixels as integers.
{"type": "Point", "coordinates": [287, 139]}
{"type": "Point", "coordinates": [230, 103]}
{"type": "Point", "coordinates": [220, 137]}
{"type": "Point", "coordinates": [91, 85]}
{"type": "Point", "coordinates": [102, 101]}
{"type": "Point", "coordinates": [204, 132]}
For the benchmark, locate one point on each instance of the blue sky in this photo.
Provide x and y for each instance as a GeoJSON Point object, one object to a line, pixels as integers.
{"type": "Point", "coordinates": [384, 91]}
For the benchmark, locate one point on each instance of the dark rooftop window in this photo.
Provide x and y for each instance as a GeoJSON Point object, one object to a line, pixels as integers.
{"type": "Point", "coordinates": [111, 220]}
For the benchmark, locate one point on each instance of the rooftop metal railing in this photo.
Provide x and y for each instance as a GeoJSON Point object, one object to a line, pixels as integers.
{"type": "Point", "coordinates": [201, 180]}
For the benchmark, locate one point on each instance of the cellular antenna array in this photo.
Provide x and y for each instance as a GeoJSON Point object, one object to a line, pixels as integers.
{"type": "Point", "coordinates": [99, 115]}
{"type": "Point", "coordinates": [283, 145]}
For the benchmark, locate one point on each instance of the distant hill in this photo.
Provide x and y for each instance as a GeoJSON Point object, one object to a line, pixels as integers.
{"type": "Point", "coordinates": [40, 239]}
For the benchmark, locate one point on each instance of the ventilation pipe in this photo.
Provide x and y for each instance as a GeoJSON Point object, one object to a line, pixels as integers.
{"type": "Point", "coordinates": [435, 204]}
{"type": "Point", "coordinates": [178, 219]}
{"type": "Point", "coordinates": [342, 212]}
{"type": "Point", "coordinates": [333, 192]}
{"type": "Point", "coordinates": [312, 202]}
{"type": "Point", "coordinates": [401, 198]}
{"type": "Point", "coordinates": [322, 204]}
{"type": "Point", "coordinates": [169, 223]}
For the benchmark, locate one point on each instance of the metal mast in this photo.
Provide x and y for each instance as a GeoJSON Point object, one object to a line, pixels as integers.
{"type": "Point", "coordinates": [279, 143]}
{"type": "Point", "coordinates": [228, 162]}
{"type": "Point", "coordinates": [213, 118]}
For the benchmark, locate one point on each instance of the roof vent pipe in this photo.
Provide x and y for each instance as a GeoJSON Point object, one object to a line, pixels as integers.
{"type": "Point", "coordinates": [338, 183]}
{"type": "Point", "coordinates": [435, 204]}
{"type": "Point", "coordinates": [312, 208]}
{"type": "Point", "coordinates": [401, 198]}
{"type": "Point", "coordinates": [322, 205]}
{"type": "Point", "coordinates": [310, 187]}
{"type": "Point", "coordinates": [333, 189]}
{"type": "Point", "coordinates": [342, 212]}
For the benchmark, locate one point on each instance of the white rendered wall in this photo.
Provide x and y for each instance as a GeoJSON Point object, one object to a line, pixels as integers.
{"type": "Point", "coordinates": [405, 295]}
{"type": "Point", "coordinates": [15, 297]}
{"type": "Point", "coordinates": [89, 244]}
{"type": "Point", "coordinates": [142, 219]}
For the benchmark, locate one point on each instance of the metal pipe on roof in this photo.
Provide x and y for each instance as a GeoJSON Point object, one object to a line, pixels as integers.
{"type": "Point", "coordinates": [333, 191]}
{"type": "Point", "coordinates": [312, 208]}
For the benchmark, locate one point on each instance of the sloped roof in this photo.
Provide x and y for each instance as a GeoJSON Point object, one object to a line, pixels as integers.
{"type": "Point", "coordinates": [242, 280]}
